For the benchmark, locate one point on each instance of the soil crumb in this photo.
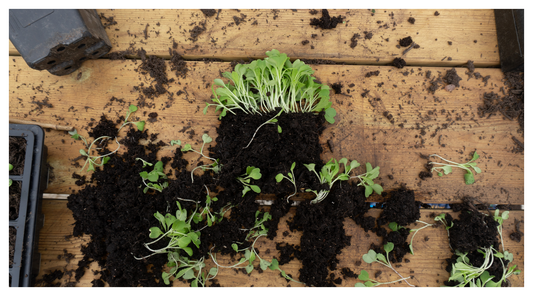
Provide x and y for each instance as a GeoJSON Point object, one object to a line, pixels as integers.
{"type": "Point", "coordinates": [326, 21]}
{"type": "Point", "coordinates": [398, 63]}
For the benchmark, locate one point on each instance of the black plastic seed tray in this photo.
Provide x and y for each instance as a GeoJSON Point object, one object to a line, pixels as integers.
{"type": "Point", "coordinates": [57, 40]}
{"type": "Point", "coordinates": [26, 260]}
{"type": "Point", "coordinates": [510, 32]}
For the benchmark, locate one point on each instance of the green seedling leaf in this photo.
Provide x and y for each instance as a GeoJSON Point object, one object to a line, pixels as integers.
{"type": "Point", "coordinates": [183, 242]}
{"type": "Point", "coordinates": [279, 129]}
{"type": "Point", "coordinates": [505, 215]}
{"type": "Point", "coordinates": [388, 247]}
{"type": "Point", "coordinates": [368, 190]}
{"type": "Point", "coordinates": [447, 169]}
{"type": "Point", "coordinates": [175, 142]}
{"type": "Point", "coordinates": [377, 188]}
{"type": "Point", "coordinates": [360, 285]}
{"type": "Point", "coordinates": [10, 167]}
{"type": "Point", "coordinates": [186, 147]}
{"type": "Point", "coordinates": [219, 82]}
{"type": "Point", "coordinates": [235, 247]}
{"type": "Point", "coordinates": [469, 178]}
{"type": "Point", "coordinates": [369, 284]}
{"type": "Point", "coordinates": [274, 265]}
{"type": "Point", "coordinates": [166, 277]}
{"type": "Point", "coordinates": [370, 257]}
{"type": "Point", "coordinates": [475, 156]}
{"type": "Point", "coordinates": [508, 256]}
{"type": "Point", "coordinates": [105, 159]}
{"type": "Point", "coordinates": [279, 177]}
{"type": "Point", "coordinates": [155, 232]}
{"type": "Point", "coordinates": [264, 264]}
{"type": "Point", "coordinates": [10, 182]}
{"type": "Point", "coordinates": [74, 134]}
{"type": "Point", "coordinates": [363, 276]}
{"type": "Point", "coordinates": [91, 167]}
{"type": "Point", "coordinates": [140, 125]}
{"type": "Point", "coordinates": [381, 257]}
{"type": "Point", "coordinates": [393, 226]}
{"type": "Point", "coordinates": [249, 268]}
{"type": "Point", "coordinates": [478, 170]}
{"type": "Point", "coordinates": [194, 283]}
{"type": "Point", "coordinates": [255, 188]}
{"type": "Point", "coordinates": [132, 108]}
{"type": "Point", "coordinates": [330, 114]}
{"type": "Point", "coordinates": [82, 152]}
{"type": "Point", "coordinates": [206, 138]}
{"type": "Point", "coordinates": [189, 274]}
{"type": "Point", "coordinates": [188, 251]}
{"type": "Point", "coordinates": [255, 174]}
{"type": "Point", "coordinates": [213, 271]}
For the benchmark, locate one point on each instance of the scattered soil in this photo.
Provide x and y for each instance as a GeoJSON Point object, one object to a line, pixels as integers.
{"type": "Point", "coordinates": [398, 63]}
{"type": "Point", "coordinates": [411, 20]}
{"type": "Point", "coordinates": [353, 40]}
{"type": "Point", "coordinates": [326, 21]}
{"type": "Point", "coordinates": [517, 234]}
{"type": "Point", "coordinates": [17, 154]}
{"type": "Point", "coordinates": [451, 77]}
{"type": "Point", "coordinates": [337, 87]}
{"type": "Point", "coordinates": [372, 73]}
{"type": "Point", "coordinates": [209, 12]}
{"type": "Point", "coordinates": [406, 41]}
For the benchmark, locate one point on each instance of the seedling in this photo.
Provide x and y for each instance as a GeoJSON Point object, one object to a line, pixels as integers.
{"type": "Point", "coordinates": [93, 160]}
{"type": "Point", "coordinates": [415, 232]}
{"type": "Point", "coordinates": [364, 276]}
{"type": "Point", "coordinates": [327, 174]}
{"type": "Point", "coordinates": [174, 142]}
{"type": "Point", "coordinates": [10, 181]}
{"type": "Point", "coordinates": [442, 219]}
{"type": "Point", "coordinates": [395, 227]}
{"type": "Point", "coordinates": [290, 177]}
{"type": "Point", "coordinates": [277, 83]}
{"type": "Point", "coordinates": [372, 257]}
{"type": "Point", "coordinates": [251, 173]}
{"type": "Point", "coordinates": [367, 180]}
{"type": "Point", "coordinates": [499, 219]}
{"type": "Point", "coordinates": [272, 120]}
{"type": "Point", "coordinates": [139, 124]}
{"type": "Point", "coordinates": [206, 139]}
{"type": "Point", "coordinates": [447, 168]}
{"type": "Point", "coordinates": [153, 176]}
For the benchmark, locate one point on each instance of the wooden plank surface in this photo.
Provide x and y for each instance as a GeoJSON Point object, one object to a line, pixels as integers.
{"type": "Point", "coordinates": [423, 121]}
{"type": "Point", "coordinates": [427, 265]}
{"type": "Point", "coordinates": [449, 39]}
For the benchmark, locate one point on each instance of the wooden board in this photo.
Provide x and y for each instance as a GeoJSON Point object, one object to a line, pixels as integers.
{"type": "Point", "coordinates": [361, 130]}
{"type": "Point", "coordinates": [449, 39]}
{"type": "Point", "coordinates": [427, 265]}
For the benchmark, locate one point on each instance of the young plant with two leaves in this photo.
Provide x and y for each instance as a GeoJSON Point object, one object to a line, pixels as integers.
{"type": "Point", "coordinates": [264, 85]}
{"type": "Point", "coordinates": [153, 176]}
{"type": "Point", "coordinates": [252, 173]}
{"type": "Point", "coordinates": [446, 168]}
{"type": "Point", "coordinates": [372, 257]}
{"type": "Point", "coordinates": [216, 166]}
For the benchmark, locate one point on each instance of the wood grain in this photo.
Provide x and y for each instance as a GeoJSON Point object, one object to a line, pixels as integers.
{"type": "Point", "coordinates": [444, 123]}
{"type": "Point", "coordinates": [427, 265]}
{"type": "Point", "coordinates": [450, 39]}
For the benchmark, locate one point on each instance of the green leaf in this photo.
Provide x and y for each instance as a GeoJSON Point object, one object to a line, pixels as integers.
{"type": "Point", "coordinates": [411, 249]}
{"type": "Point", "coordinates": [377, 188]}
{"type": "Point", "coordinates": [188, 251]}
{"type": "Point", "coordinates": [447, 169]}
{"type": "Point", "coordinates": [478, 170]}
{"type": "Point", "coordinates": [235, 247]}
{"type": "Point", "coordinates": [186, 147]}
{"type": "Point", "coordinates": [330, 114]}
{"type": "Point", "coordinates": [105, 159]}
{"type": "Point", "coordinates": [368, 190]}
{"type": "Point", "coordinates": [132, 108]}
{"type": "Point", "coordinates": [252, 258]}
{"type": "Point", "coordinates": [388, 247]}
{"type": "Point", "coordinates": [155, 232]}
{"type": "Point", "coordinates": [255, 188]}
{"type": "Point", "coordinates": [245, 190]}
{"type": "Point", "coordinates": [194, 283]}
{"type": "Point", "coordinates": [381, 257]}
{"type": "Point", "coordinates": [213, 271]}
{"type": "Point", "coordinates": [82, 152]}
{"type": "Point", "coordinates": [393, 226]}
{"type": "Point", "coordinates": [205, 108]}
{"type": "Point", "coordinates": [10, 167]}
{"type": "Point", "coordinates": [179, 226]}
{"type": "Point", "coordinates": [219, 82]}
{"type": "Point", "coordinates": [310, 167]}
{"type": "Point", "coordinates": [369, 284]}
{"type": "Point", "coordinates": [183, 242]}
{"type": "Point", "coordinates": [359, 285]}
{"type": "Point", "coordinates": [469, 178]}
{"type": "Point", "coordinates": [274, 265]}
{"type": "Point", "coordinates": [91, 167]}
{"type": "Point", "coordinates": [264, 264]}
{"type": "Point", "coordinates": [189, 274]}
{"type": "Point", "coordinates": [279, 129]}
{"type": "Point", "coordinates": [153, 176]}
{"type": "Point", "coordinates": [293, 166]}
{"type": "Point", "coordinates": [279, 177]}
{"type": "Point", "coordinates": [363, 276]}
{"type": "Point", "coordinates": [166, 277]}
{"type": "Point", "coordinates": [10, 182]}
{"type": "Point", "coordinates": [368, 167]}
{"type": "Point", "coordinates": [475, 156]}
{"type": "Point", "coordinates": [249, 268]}
{"type": "Point", "coordinates": [175, 142]}
{"type": "Point", "coordinates": [140, 125]}
{"type": "Point", "coordinates": [206, 138]}
{"type": "Point", "coordinates": [370, 257]}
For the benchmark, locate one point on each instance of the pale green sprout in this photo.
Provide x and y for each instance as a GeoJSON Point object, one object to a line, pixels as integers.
{"type": "Point", "coordinates": [272, 120]}
{"type": "Point", "coordinates": [251, 173]}
{"type": "Point", "coordinates": [216, 166]}
{"type": "Point", "coordinates": [445, 169]}
{"type": "Point", "coordinates": [372, 257]}
{"type": "Point", "coordinates": [290, 177]}
{"type": "Point", "coordinates": [329, 174]}
{"type": "Point", "coordinates": [367, 180]}
{"type": "Point", "coordinates": [139, 124]}
{"type": "Point", "coordinates": [153, 176]}
{"type": "Point", "coordinates": [10, 181]}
